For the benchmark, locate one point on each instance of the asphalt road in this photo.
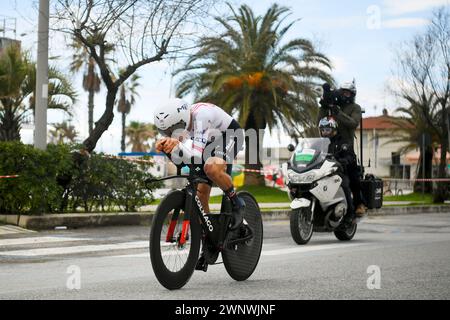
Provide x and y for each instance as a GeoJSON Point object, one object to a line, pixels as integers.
{"type": "Point", "coordinates": [396, 257]}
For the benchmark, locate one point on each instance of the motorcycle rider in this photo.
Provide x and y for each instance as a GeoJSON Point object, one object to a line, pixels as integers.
{"type": "Point", "coordinates": [348, 115]}
{"type": "Point", "coordinates": [343, 153]}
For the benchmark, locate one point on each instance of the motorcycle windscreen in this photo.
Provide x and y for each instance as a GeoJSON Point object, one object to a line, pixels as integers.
{"type": "Point", "coordinates": [310, 151]}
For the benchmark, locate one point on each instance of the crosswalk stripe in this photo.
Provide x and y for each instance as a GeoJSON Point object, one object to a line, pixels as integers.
{"type": "Point", "coordinates": [6, 232]}
{"type": "Point", "coordinates": [309, 248]}
{"type": "Point", "coordinates": [37, 240]}
{"type": "Point", "coordinates": [36, 252]}
{"type": "Point", "coordinates": [13, 229]}
{"type": "Point", "coordinates": [8, 228]}
{"type": "Point", "coordinates": [276, 252]}
{"type": "Point", "coordinates": [74, 249]}
{"type": "Point", "coordinates": [138, 255]}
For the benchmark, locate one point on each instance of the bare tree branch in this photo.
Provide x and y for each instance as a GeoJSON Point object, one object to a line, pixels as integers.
{"type": "Point", "coordinates": [146, 31]}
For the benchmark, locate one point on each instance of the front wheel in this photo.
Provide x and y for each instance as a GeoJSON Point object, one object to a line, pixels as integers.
{"type": "Point", "coordinates": [241, 260]}
{"type": "Point", "coordinates": [301, 225]}
{"type": "Point", "coordinates": [346, 232]}
{"type": "Point", "coordinates": [174, 243]}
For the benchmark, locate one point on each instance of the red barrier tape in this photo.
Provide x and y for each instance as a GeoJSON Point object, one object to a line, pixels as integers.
{"type": "Point", "coordinates": [271, 172]}
{"type": "Point", "coordinates": [417, 180]}
{"type": "Point", "coordinates": [262, 172]}
{"type": "Point", "coordinates": [129, 160]}
{"type": "Point", "coordinates": [8, 177]}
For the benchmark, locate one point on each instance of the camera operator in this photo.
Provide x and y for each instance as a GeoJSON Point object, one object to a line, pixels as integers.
{"type": "Point", "coordinates": [340, 104]}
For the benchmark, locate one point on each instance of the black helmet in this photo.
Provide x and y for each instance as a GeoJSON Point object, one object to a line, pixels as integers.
{"type": "Point", "coordinates": [328, 127]}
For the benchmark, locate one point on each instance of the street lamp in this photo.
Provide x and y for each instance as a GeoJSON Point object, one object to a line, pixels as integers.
{"type": "Point", "coordinates": [40, 131]}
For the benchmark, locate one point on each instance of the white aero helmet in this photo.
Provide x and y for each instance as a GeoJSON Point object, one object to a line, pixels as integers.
{"type": "Point", "coordinates": [174, 114]}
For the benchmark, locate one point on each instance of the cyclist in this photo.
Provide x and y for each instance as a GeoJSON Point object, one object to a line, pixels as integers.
{"type": "Point", "coordinates": [209, 139]}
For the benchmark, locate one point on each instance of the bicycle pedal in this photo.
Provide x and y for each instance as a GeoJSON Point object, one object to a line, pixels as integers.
{"type": "Point", "coordinates": [211, 258]}
{"type": "Point", "coordinates": [201, 265]}
{"type": "Point", "coordinates": [234, 242]}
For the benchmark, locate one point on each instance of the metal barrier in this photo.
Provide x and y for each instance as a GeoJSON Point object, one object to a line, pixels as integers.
{"type": "Point", "coordinates": [398, 187]}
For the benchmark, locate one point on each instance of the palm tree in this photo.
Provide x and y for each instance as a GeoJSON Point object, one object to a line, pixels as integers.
{"type": "Point", "coordinates": [62, 133]}
{"type": "Point", "coordinates": [17, 91]}
{"type": "Point", "coordinates": [82, 60]}
{"type": "Point", "coordinates": [420, 118]}
{"type": "Point", "coordinates": [128, 94]}
{"type": "Point", "coordinates": [250, 72]}
{"type": "Point", "coordinates": [138, 133]}
{"type": "Point", "coordinates": [14, 68]}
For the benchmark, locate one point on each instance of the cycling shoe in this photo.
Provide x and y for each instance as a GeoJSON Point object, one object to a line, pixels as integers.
{"type": "Point", "coordinates": [238, 214]}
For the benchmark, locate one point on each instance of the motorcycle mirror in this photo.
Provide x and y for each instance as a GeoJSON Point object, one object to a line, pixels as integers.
{"type": "Point", "coordinates": [291, 147]}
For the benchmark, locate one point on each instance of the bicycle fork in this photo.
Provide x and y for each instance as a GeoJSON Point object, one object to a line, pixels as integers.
{"type": "Point", "coordinates": [172, 226]}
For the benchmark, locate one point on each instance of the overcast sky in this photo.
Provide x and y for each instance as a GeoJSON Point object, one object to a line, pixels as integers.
{"type": "Point", "coordinates": [358, 36]}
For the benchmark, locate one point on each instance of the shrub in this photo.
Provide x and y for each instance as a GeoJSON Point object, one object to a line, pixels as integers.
{"type": "Point", "coordinates": [51, 181]}
{"type": "Point", "coordinates": [36, 189]}
{"type": "Point", "coordinates": [108, 184]}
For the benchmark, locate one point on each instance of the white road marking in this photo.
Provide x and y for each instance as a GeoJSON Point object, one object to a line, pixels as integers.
{"type": "Point", "coordinates": [308, 248]}
{"type": "Point", "coordinates": [139, 255]}
{"type": "Point", "coordinates": [275, 252]}
{"type": "Point", "coordinates": [36, 240]}
{"type": "Point", "coordinates": [75, 249]}
{"type": "Point", "coordinates": [8, 229]}
{"type": "Point", "coordinates": [37, 252]}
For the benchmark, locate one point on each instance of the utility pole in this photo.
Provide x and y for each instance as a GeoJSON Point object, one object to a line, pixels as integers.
{"type": "Point", "coordinates": [40, 130]}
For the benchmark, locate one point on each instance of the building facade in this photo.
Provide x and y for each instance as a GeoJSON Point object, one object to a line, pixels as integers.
{"type": "Point", "coordinates": [381, 156]}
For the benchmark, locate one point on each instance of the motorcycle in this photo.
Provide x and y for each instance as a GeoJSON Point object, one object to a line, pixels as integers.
{"type": "Point", "coordinates": [315, 179]}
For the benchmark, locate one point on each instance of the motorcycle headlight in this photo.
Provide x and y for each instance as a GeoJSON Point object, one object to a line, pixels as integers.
{"type": "Point", "coordinates": [307, 177]}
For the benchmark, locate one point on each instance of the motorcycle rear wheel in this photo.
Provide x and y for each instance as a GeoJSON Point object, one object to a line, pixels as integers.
{"type": "Point", "coordinates": [346, 233]}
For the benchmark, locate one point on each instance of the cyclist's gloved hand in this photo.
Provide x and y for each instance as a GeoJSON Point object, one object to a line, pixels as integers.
{"type": "Point", "coordinates": [170, 144]}
{"type": "Point", "coordinates": [159, 145]}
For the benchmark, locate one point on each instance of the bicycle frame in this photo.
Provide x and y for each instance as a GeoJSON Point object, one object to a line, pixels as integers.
{"type": "Point", "coordinates": [194, 206]}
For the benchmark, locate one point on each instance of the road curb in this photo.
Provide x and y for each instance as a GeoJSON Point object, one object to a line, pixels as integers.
{"type": "Point", "coordinates": [77, 220]}
{"type": "Point", "coordinates": [93, 220]}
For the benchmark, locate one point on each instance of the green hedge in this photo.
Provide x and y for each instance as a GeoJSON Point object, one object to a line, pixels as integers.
{"type": "Point", "coordinates": [51, 182]}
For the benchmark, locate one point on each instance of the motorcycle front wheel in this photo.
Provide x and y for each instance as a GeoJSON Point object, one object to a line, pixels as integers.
{"type": "Point", "coordinates": [301, 225]}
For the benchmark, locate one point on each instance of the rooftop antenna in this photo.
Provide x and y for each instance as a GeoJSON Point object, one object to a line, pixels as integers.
{"type": "Point", "coordinates": [8, 24]}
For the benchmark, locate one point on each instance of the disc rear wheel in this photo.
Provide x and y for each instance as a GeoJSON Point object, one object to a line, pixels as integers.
{"type": "Point", "coordinates": [241, 260]}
